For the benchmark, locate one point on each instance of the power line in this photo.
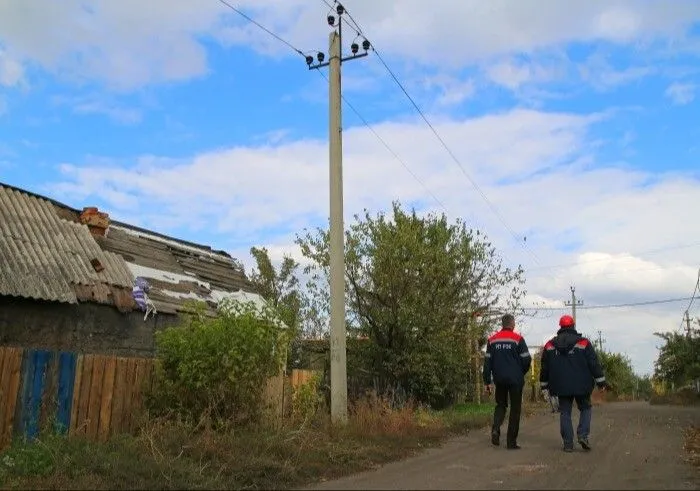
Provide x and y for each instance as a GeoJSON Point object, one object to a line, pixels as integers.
{"type": "Point", "coordinates": [692, 298]}
{"type": "Point", "coordinates": [612, 306]}
{"type": "Point", "coordinates": [389, 149]}
{"type": "Point", "coordinates": [351, 106]}
{"type": "Point", "coordinates": [442, 141]}
{"type": "Point", "coordinates": [253, 21]}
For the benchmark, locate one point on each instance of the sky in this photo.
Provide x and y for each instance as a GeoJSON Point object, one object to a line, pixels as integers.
{"type": "Point", "coordinates": [571, 132]}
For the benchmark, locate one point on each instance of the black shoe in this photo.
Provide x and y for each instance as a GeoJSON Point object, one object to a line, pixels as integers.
{"type": "Point", "coordinates": [568, 449]}
{"type": "Point", "coordinates": [583, 441]}
{"type": "Point", "coordinates": [495, 438]}
{"type": "Point", "coordinates": [514, 446]}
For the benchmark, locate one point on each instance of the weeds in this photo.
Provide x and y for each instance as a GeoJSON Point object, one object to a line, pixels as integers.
{"type": "Point", "coordinates": [171, 454]}
{"type": "Point", "coordinates": [692, 445]}
{"type": "Point", "coordinates": [684, 397]}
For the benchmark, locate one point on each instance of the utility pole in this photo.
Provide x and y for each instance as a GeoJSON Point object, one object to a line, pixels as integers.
{"type": "Point", "coordinates": [339, 380]}
{"type": "Point", "coordinates": [600, 340]}
{"type": "Point", "coordinates": [687, 323]}
{"type": "Point", "coordinates": [573, 303]}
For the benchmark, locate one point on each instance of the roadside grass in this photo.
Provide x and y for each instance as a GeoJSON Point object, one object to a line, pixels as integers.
{"type": "Point", "coordinates": [170, 455]}
{"type": "Point", "coordinates": [683, 397]}
{"type": "Point", "coordinates": [692, 445]}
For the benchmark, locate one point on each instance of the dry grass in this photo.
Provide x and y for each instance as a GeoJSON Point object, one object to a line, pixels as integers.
{"type": "Point", "coordinates": [685, 397]}
{"type": "Point", "coordinates": [692, 445]}
{"type": "Point", "coordinates": [170, 455]}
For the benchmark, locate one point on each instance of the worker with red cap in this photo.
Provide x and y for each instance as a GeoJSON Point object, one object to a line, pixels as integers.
{"type": "Point", "coordinates": [570, 369]}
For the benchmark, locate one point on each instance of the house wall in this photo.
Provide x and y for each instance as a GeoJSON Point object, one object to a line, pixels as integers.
{"type": "Point", "coordinates": [82, 328]}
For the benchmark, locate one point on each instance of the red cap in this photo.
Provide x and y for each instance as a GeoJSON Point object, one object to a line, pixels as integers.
{"type": "Point", "coordinates": [566, 321]}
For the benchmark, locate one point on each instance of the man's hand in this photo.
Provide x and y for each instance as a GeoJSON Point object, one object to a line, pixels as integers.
{"type": "Point", "coordinates": [488, 388]}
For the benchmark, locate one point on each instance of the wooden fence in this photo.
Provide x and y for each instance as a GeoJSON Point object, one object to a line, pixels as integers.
{"type": "Point", "coordinates": [95, 396]}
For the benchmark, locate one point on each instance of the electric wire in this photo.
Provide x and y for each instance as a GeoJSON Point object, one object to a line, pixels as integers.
{"type": "Point", "coordinates": [356, 27]}
{"type": "Point", "coordinates": [611, 306]}
{"type": "Point", "coordinates": [253, 21]}
{"type": "Point", "coordinates": [692, 299]}
{"type": "Point", "coordinates": [347, 103]}
{"type": "Point", "coordinates": [389, 149]}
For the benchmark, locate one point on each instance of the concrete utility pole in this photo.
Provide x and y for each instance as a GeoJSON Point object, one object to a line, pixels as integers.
{"type": "Point", "coordinates": [600, 340]}
{"type": "Point", "coordinates": [339, 380]}
{"type": "Point", "coordinates": [573, 303]}
{"type": "Point", "coordinates": [687, 323]}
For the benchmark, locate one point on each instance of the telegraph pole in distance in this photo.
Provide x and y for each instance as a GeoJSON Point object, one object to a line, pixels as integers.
{"type": "Point", "coordinates": [600, 340]}
{"type": "Point", "coordinates": [687, 323]}
{"type": "Point", "coordinates": [339, 379]}
{"type": "Point", "coordinates": [573, 303]}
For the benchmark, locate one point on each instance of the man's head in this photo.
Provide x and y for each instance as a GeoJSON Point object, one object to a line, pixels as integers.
{"type": "Point", "coordinates": [567, 321]}
{"type": "Point", "coordinates": [508, 322]}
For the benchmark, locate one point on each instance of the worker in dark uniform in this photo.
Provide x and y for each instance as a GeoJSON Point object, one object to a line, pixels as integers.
{"type": "Point", "coordinates": [506, 362]}
{"type": "Point", "coordinates": [570, 369]}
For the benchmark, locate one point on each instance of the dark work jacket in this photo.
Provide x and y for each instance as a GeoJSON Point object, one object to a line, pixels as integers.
{"type": "Point", "coordinates": [507, 358]}
{"type": "Point", "coordinates": [570, 365]}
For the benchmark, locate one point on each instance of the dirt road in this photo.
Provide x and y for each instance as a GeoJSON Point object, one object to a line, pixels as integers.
{"type": "Point", "coordinates": [635, 446]}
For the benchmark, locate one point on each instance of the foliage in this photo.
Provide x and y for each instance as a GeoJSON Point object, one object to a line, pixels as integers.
{"type": "Point", "coordinates": [170, 454]}
{"type": "Point", "coordinates": [306, 400]}
{"type": "Point", "coordinates": [644, 388]}
{"type": "Point", "coordinates": [414, 286]}
{"type": "Point", "coordinates": [298, 307]}
{"type": "Point", "coordinates": [679, 358]}
{"type": "Point", "coordinates": [280, 288]}
{"type": "Point", "coordinates": [618, 372]}
{"type": "Point", "coordinates": [218, 366]}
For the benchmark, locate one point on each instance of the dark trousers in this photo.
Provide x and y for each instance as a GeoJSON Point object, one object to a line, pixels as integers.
{"type": "Point", "coordinates": [566, 426]}
{"type": "Point", "coordinates": [515, 394]}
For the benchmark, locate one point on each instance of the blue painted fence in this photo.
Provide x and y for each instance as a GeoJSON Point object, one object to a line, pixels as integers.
{"type": "Point", "coordinates": [91, 395]}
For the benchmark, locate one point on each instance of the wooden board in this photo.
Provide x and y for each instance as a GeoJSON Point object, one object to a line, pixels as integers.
{"type": "Point", "coordinates": [10, 371]}
{"type": "Point", "coordinates": [107, 398]}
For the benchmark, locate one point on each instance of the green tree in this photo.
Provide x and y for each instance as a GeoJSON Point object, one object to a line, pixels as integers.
{"type": "Point", "coordinates": [619, 372]}
{"type": "Point", "coordinates": [679, 358]}
{"type": "Point", "coordinates": [414, 284]}
{"type": "Point", "coordinates": [279, 287]}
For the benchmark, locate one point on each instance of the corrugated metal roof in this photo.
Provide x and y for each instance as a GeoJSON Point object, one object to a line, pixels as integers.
{"type": "Point", "coordinates": [42, 255]}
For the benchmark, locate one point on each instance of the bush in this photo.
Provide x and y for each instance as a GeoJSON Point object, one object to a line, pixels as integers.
{"type": "Point", "coordinates": [306, 400]}
{"type": "Point", "coordinates": [218, 367]}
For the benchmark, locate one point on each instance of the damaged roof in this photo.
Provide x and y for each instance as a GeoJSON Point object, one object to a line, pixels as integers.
{"type": "Point", "coordinates": [47, 258]}
{"type": "Point", "coordinates": [177, 271]}
{"type": "Point", "coordinates": [47, 254]}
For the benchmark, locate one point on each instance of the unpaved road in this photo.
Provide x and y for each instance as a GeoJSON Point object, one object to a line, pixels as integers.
{"type": "Point", "coordinates": [635, 446]}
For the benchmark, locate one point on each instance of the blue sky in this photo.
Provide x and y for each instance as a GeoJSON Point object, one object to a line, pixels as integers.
{"type": "Point", "coordinates": [580, 123]}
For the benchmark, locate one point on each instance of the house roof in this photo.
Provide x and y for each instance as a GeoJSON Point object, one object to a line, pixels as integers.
{"type": "Point", "coordinates": [46, 253]}
{"type": "Point", "coordinates": [45, 257]}
{"type": "Point", "coordinates": [176, 271]}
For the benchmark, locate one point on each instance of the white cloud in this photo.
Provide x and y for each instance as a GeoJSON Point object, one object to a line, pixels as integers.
{"type": "Point", "coordinates": [681, 93]}
{"type": "Point", "coordinates": [93, 104]}
{"type": "Point", "coordinates": [513, 74]}
{"type": "Point", "coordinates": [451, 90]}
{"type": "Point", "coordinates": [126, 44]}
{"type": "Point", "coordinates": [11, 70]}
{"type": "Point", "coordinates": [537, 168]}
